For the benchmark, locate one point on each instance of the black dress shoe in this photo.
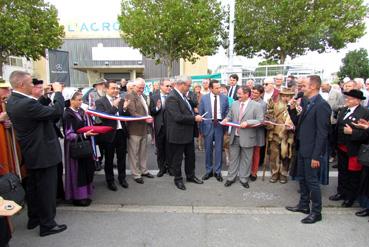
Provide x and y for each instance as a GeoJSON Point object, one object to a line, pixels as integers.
{"type": "Point", "coordinates": [299, 209]}
{"type": "Point", "coordinates": [194, 180]}
{"type": "Point", "coordinates": [170, 172]}
{"type": "Point", "coordinates": [112, 186]}
{"type": "Point", "coordinates": [245, 185]}
{"type": "Point", "coordinates": [347, 203]}
{"type": "Point", "coordinates": [312, 218]}
{"type": "Point", "coordinates": [253, 178]}
{"type": "Point", "coordinates": [32, 224]}
{"type": "Point", "coordinates": [54, 230]}
{"type": "Point", "coordinates": [180, 185]}
{"type": "Point", "coordinates": [207, 176]}
{"type": "Point", "coordinates": [335, 166]}
{"type": "Point", "coordinates": [123, 183]}
{"type": "Point", "coordinates": [82, 202]}
{"type": "Point", "coordinates": [148, 175]}
{"type": "Point", "coordinates": [363, 213]}
{"type": "Point", "coordinates": [219, 177]}
{"type": "Point", "coordinates": [336, 197]}
{"type": "Point", "coordinates": [161, 173]}
{"type": "Point", "coordinates": [139, 180]}
{"type": "Point", "coordinates": [98, 166]}
{"type": "Point", "coordinates": [228, 183]}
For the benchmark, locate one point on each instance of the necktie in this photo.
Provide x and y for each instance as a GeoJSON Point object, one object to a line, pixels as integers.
{"type": "Point", "coordinates": [240, 115]}
{"type": "Point", "coordinates": [347, 113]}
{"type": "Point", "coordinates": [215, 115]}
{"type": "Point", "coordinates": [230, 91]}
{"type": "Point", "coordinates": [163, 101]}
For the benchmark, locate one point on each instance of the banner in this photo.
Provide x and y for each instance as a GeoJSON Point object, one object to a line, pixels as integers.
{"type": "Point", "coordinates": [59, 66]}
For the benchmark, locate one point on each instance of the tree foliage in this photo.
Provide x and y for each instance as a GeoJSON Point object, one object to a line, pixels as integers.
{"type": "Point", "coordinates": [167, 30]}
{"type": "Point", "coordinates": [355, 64]}
{"type": "Point", "coordinates": [280, 28]}
{"type": "Point", "coordinates": [27, 28]}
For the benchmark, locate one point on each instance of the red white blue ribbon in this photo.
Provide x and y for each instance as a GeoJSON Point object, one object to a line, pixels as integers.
{"type": "Point", "coordinates": [231, 124]}
{"type": "Point", "coordinates": [115, 117]}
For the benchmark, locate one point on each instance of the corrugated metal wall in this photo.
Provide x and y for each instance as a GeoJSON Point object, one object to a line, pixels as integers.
{"type": "Point", "coordinates": [80, 52]}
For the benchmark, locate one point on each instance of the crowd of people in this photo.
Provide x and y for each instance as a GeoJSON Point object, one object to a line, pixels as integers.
{"type": "Point", "coordinates": [296, 126]}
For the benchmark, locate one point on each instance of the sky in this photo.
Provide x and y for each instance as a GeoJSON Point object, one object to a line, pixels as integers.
{"type": "Point", "coordinates": [109, 9]}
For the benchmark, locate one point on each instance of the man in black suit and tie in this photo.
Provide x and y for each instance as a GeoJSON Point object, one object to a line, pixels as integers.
{"type": "Point", "coordinates": [233, 87]}
{"type": "Point", "coordinates": [181, 121]}
{"type": "Point", "coordinates": [114, 142]}
{"type": "Point", "coordinates": [40, 149]}
{"type": "Point", "coordinates": [157, 109]}
{"type": "Point", "coordinates": [312, 128]}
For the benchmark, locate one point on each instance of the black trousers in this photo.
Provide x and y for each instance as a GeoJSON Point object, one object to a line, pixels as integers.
{"type": "Point", "coordinates": [118, 147]}
{"type": "Point", "coordinates": [60, 187]}
{"type": "Point", "coordinates": [177, 151]}
{"type": "Point", "coordinates": [348, 181]}
{"type": "Point", "coordinates": [161, 150]}
{"type": "Point", "coordinates": [309, 185]}
{"type": "Point", "coordinates": [41, 196]}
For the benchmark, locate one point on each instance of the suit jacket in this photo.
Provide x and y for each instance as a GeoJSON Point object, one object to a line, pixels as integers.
{"type": "Point", "coordinates": [34, 128]}
{"type": "Point", "coordinates": [358, 136]}
{"type": "Point", "coordinates": [312, 128]}
{"type": "Point", "coordinates": [103, 105]}
{"type": "Point", "coordinates": [260, 131]}
{"type": "Point", "coordinates": [180, 121]}
{"type": "Point", "coordinates": [136, 108]}
{"type": "Point", "coordinates": [205, 106]}
{"type": "Point", "coordinates": [234, 93]}
{"type": "Point", "coordinates": [335, 100]}
{"type": "Point", "coordinates": [158, 114]}
{"type": "Point", "coordinates": [253, 114]}
{"type": "Point", "coordinates": [46, 101]}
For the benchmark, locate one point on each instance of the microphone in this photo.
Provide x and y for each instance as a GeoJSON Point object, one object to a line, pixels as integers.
{"type": "Point", "coordinates": [299, 95]}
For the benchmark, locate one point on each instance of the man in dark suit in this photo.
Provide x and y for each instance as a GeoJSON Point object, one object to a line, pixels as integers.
{"type": "Point", "coordinates": [312, 128]}
{"type": "Point", "coordinates": [40, 148]}
{"type": "Point", "coordinates": [114, 142]}
{"type": "Point", "coordinates": [181, 121]}
{"type": "Point", "coordinates": [348, 145]}
{"type": "Point", "coordinates": [157, 109]}
{"type": "Point", "coordinates": [214, 107]}
{"type": "Point", "coordinates": [233, 87]}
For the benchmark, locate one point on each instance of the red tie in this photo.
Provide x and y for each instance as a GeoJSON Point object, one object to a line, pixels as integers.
{"type": "Point", "coordinates": [240, 115]}
{"type": "Point", "coordinates": [215, 119]}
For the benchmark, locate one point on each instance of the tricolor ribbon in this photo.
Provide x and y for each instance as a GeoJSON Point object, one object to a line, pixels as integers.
{"type": "Point", "coordinates": [115, 117]}
{"type": "Point", "coordinates": [252, 126]}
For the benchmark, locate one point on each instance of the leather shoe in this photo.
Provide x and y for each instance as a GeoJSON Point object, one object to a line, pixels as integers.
{"type": "Point", "coordinates": [207, 176]}
{"type": "Point", "coordinates": [194, 180]}
{"type": "Point", "coordinates": [347, 203]}
{"type": "Point", "coordinates": [228, 183]}
{"type": "Point", "coordinates": [148, 175]}
{"type": "Point", "coordinates": [180, 185]}
{"type": "Point", "coordinates": [82, 202]}
{"type": "Point", "coordinates": [161, 173]}
{"type": "Point", "coordinates": [219, 177]}
{"type": "Point", "coordinates": [139, 180]}
{"type": "Point", "coordinates": [123, 183]}
{"type": "Point", "coordinates": [299, 209]}
{"type": "Point", "coordinates": [112, 186]}
{"type": "Point", "coordinates": [253, 178]}
{"type": "Point", "coordinates": [54, 230]}
{"type": "Point", "coordinates": [245, 185]}
{"type": "Point", "coordinates": [312, 218]}
{"type": "Point", "coordinates": [363, 213]}
{"type": "Point", "coordinates": [32, 224]}
{"type": "Point", "coordinates": [336, 197]}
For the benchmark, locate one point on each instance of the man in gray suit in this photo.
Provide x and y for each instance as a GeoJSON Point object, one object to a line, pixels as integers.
{"type": "Point", "coordinates": [247, 113]}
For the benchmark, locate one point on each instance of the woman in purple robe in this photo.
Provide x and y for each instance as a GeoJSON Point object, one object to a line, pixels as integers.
{"type": "Point", "coordinates": [78, 172]}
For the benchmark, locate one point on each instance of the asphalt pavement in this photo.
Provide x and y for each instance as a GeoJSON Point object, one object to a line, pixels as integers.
{"type": "Point", "coordinates": [157, 214]}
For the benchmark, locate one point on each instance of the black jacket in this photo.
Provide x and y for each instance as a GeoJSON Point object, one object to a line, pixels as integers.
{"type": "Point", "coordinates": [34, 126]}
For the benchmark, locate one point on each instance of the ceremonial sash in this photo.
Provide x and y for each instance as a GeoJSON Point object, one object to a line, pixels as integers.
{"type": "Point", "coordinates": [115, 117]}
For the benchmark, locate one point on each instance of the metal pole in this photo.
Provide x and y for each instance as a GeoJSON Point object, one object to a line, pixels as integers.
{"type": "Point", "coordinates": [231, 35]}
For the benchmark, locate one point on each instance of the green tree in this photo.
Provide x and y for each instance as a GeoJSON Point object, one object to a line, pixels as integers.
{"type": "Point", "coordinates": [27, 28]}
{"type": "Point", "coordinates": [355, 64]}
{"type": "Point", "coordinates": [167, 30]}
{"type": "Point", "coordinates": [279, 28]}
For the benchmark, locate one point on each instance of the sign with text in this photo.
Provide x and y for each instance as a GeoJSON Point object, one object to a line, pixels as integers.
{"type": "Point", "coordinates": [59, 66]}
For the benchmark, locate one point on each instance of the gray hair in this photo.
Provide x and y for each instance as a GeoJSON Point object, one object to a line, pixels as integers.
{"type": "Point", "coordinates": [139, 80]}
{"type": "Point", "coordinates": [163, 80]}
{"type": "Point", "coordinates": [16, 77]}
{"type": "Point", "coordinates": [182, 79]}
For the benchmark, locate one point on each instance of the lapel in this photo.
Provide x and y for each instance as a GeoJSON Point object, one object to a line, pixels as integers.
{"type": "Point", "coordinates": [106, 102]}
{"type": "Point", "coordinates": [312, 105]}
{"type": "Point", "coordinates": [246, 110]}
{"type": "Point", "coordinates": [181, 100]}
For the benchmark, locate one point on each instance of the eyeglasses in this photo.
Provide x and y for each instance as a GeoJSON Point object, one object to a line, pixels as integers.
{"type": "Point", "coordinates": [167, 86]}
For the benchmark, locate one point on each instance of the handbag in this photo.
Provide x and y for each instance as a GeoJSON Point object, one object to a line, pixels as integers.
{"type": "Point", "coordinates": [363, 155]}
{"type": "Point", "coordinates": [11, 188]}
{"type": "Point", "coordinates": [80, 149]}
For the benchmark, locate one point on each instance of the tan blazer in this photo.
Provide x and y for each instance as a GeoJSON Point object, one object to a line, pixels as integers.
{"type": "Point", "coordinates": [136, 108]}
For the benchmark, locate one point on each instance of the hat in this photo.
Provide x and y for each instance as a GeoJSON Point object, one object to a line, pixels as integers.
{"type": "Point", "coordinates": [98, 81]}
{"type": "Point", "coordinates": [37, 82]}
{"type": "Point", "coordinates": [355, 94]}
{"type": "Point", "coordinates": [287, 91]}
{"type": "Point", "coordinates": [4, 84]}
